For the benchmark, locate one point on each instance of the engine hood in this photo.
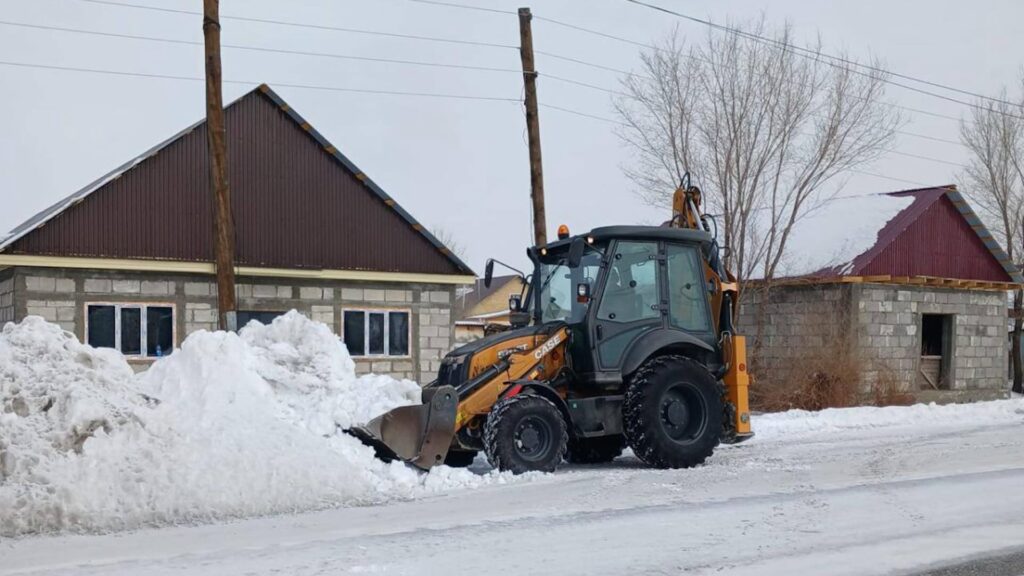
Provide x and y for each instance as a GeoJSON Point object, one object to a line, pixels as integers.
{"type": "Point", "coordinates": [488, 341]}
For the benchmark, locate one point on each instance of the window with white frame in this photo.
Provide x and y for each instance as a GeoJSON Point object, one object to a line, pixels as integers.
{"type": "Point", "coordinates": [376, 332]}
{"type": "Point", "coordinates": [141, 330]}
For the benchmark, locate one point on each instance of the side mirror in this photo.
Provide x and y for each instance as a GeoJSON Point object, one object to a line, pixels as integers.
{"type": "Point", "coordinates": [488, 273]}
{"type": "Point", "coordinates": [575, 255]}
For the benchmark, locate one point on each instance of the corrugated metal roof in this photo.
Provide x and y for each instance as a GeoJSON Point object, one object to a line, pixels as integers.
{"type": "Point", "coordinates": [938, 234]}
{"type": "Point", "coordinates": [292, 209]}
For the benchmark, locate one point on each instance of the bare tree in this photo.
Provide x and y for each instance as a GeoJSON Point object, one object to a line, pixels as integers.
{"type": "Point", "coordinates": [444, 236]}
{"type": "Point", "coordinates": [764, 125]}
{"type": "Point", "coordinates": [994, 175]}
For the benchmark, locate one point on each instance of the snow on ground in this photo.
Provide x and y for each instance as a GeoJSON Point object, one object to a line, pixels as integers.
{"type": "Point", "coordinates": [858, 492]}
{"type": "Point", "coordinates": [228, 426]}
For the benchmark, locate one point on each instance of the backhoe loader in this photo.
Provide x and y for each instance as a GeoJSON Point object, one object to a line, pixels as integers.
{"type": "Point", "coordinates": [623, 337]}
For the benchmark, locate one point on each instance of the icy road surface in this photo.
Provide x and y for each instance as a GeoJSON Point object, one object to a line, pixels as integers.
{"type": "Point", "coordinates": [894, 499]}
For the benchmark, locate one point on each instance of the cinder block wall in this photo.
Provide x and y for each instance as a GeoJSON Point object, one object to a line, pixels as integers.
{"type": "Point", "coordinates": [60, 296]}
{"type": "Point", "coordinates": [789, 324]}
{"type": "Point", "coordinates": [881, 325]}
{"type": "Point", "coordinates": [889, 330]}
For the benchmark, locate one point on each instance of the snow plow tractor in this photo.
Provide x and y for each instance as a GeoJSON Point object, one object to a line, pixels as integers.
{"type": "Point", "coordinates": [624, 337]}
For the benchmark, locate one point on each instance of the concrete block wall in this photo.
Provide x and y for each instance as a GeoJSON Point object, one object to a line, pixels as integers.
{"type": "Point", "coordinates": [791, 323]}
{"type": "Point", "coordinates": [61, 295]}
{"type": "Point", "coordinates": [889, 330]}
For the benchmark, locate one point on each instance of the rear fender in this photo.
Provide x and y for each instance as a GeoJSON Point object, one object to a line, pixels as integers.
{"type": "Point", "coordinates": [660, 342]}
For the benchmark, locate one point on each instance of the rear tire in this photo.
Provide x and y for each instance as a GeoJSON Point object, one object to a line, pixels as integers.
{"type": "Point", "coordinates": [525, 433]}
{"type": "Point", "coordinates": [459, 458]}
{"type": "Point", "coordinates": [673, 413]}
{"type": "Point", "coordinates": [595, 450]}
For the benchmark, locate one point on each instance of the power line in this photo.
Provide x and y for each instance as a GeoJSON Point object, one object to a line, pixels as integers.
{"type": "Point", "coordinates": [251, 83]}
{"type": "Point", "coordinates": [656, 48]}
{"type": "Point", "coordinates": [928, 158]}
{"type": "Point", "coordinates": [370, 91]}
{"type": "Point", "coordinates": [583, 114]}
{"type": "Point", "coordinates": [261, 49]}
{"type": "Point", "coordinates": [309, 26]}
{"type": "Point", "coordinates": [807, 52]}
{"type": "Point", "coordinates": [583, 84]}
{"type": "Point", "coordinates": [463, 6]}
{"type": "Point", "coordinates": [394, 61]}
{"type": "Point", "coordinates": [884, 177]}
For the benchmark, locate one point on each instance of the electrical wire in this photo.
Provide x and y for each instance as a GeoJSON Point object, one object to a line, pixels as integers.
{"type": "Point", "coordinates": [373, 91]}
{"type": "Point", "coordinates": [815, 55]}
{"type": "Point", "coordinates": [463, 6]}
{"type": "Point", "coordinates": [252, 83]}
{"type": "Point", "coordinates": [309, 26]}
{"type": "Point", "coordinates": [261, 49]}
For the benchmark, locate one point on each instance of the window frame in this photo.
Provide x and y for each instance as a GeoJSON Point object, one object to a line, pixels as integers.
{"type": "Point", "coordinates": [697, 265]}
{"type": "Point", "coordinates": [143, 327]}
{"type": "Point", "coordinates": [387, 331]}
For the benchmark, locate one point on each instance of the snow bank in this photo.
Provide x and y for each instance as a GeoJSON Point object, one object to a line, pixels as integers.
{"type": "Point", "coordinates": [784, 426]}
{"type": "Point", "coordinates": [227, 426]}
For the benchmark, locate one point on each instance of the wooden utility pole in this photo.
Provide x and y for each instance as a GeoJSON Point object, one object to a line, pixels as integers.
{"type": "Point", "coordinates": [223, 225]}
{"type": "Point", "coordinates": [540, 235]}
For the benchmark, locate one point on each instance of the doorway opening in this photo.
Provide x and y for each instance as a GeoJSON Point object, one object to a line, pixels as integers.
{"type": "Point", "coordinates": [936, 351]}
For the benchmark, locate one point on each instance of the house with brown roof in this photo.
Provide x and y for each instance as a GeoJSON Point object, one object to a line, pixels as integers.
{"type": "Point", "coordinates": [126, 262]}
{"type": "Point", "coordinates": [910, 284]}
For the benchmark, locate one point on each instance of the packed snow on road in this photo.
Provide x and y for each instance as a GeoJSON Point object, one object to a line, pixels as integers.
{"type": "Point", "coordinates": [229, 457]}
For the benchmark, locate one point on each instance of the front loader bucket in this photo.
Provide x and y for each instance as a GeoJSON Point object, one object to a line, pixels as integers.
{"type": "Point", "coordinates": [418, 434]}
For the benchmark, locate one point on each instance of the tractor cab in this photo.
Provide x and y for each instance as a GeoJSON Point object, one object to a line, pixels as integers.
{"type": "Point", "coordinates": [624, 292]}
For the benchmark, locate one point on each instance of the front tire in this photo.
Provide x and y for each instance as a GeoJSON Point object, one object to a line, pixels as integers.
{"type": "Point", "coordinates": [525, 433]}
{"type": "Point", "coordinates": [673, 413]}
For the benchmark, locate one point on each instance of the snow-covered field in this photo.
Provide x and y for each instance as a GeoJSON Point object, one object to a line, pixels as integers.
{"type": "Point", "coordinates": [856, 491]}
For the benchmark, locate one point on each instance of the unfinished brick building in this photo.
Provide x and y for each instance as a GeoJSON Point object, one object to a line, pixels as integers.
{"type": "Point", "coordinates": [918, 297]}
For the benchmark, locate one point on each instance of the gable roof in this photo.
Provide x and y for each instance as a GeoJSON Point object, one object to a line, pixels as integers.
{"type": "Point", "coordinates": [919, 232]}
{"type": "Point", "coordinates": [287, 203]}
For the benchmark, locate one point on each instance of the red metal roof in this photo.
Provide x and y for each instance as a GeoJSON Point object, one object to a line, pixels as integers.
{"type": "Point", "coordinates": [937, 235]}
{"type": "Point", "coordinates": [297, 203]}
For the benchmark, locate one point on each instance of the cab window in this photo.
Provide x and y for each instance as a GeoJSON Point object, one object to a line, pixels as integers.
{"type": "Point", "coordinates": [686, 299]}
{"type": "Point", "coordinates": [631, 291]}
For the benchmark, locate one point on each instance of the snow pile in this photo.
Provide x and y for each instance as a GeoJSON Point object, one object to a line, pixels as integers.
{"type": "Point", "coordinates": [784, 426]}
{"type": "Point", "coordinates": [227, 426]}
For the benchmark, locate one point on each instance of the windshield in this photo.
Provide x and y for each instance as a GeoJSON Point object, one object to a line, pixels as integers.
{"type": "Point", "coordinates": [559, 285]}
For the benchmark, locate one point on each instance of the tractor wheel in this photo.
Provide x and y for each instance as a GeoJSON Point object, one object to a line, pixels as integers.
{"type": "Point", "coordinates": [459, 458]}
{"type": "Point", "coordinates": [595, 450]}
{"type": "Point", "coordinates": [673, 413]}
{"type": "Point", "coordinates": [524, 433]}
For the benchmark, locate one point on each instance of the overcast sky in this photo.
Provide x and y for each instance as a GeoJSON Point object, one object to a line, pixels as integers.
{"type": "Point", "coordinates": [459, 165]}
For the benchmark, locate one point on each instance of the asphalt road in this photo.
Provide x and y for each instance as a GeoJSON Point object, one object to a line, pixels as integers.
{"type": "Point", "coordinates": [1003, 564]}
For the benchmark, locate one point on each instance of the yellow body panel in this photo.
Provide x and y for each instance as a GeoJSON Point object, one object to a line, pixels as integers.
{"type": "Point", "coordinates": [538, 357]}
{"type": "Point", "coordinates": [737, 383]}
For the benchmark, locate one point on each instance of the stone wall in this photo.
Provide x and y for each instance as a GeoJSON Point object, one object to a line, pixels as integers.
{"type": "Point", "coordinates": [6, 296]}
{"type": "Point", "coordinates": [789, 324]}
{"type": "Point", "coordinates": [880, 326]}
{"type": "Point", "coordinates": [61, 295]}
{"type": "Point", "coordinates": [889, 331]}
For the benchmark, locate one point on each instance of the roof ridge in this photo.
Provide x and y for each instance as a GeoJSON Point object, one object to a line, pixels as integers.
{"type": "Point", "coordinates": [47, 214]}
